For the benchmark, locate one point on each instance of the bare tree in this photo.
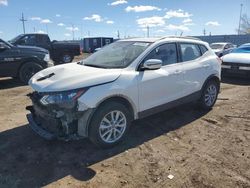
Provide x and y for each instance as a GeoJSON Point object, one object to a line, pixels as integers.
{"type": "Point", "coordinates": [245, 25]}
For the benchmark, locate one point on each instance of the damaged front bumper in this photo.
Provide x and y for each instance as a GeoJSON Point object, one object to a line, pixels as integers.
{"type": "Point", "coordinates": [37, 129]}
{"type": "Point", "coordinates": [54, 122]}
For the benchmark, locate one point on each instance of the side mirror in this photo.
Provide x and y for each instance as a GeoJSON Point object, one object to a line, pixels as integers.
{"type": "Point", "coordinates": [152, 64]}
{"type": "Point", "coordinates": [3, 47]}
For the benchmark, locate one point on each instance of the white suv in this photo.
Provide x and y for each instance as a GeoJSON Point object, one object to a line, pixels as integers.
{"type": "Point", "coordinates": [126, 80]}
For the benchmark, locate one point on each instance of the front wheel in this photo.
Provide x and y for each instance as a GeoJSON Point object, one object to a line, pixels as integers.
{"type": "Point", "coordinates": [209, 95]}
{"type": "Point", "coordinates": [109, 124]}
{"type": "Point", "coordinates": [28, 70]}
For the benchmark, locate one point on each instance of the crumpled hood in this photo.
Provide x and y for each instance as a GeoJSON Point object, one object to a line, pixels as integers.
{"type": "Point", "coordinates": [71, 76]}
{"type": "Point", "coordinates": [237, 58]}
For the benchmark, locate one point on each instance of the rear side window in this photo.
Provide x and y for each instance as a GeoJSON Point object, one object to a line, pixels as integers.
{"type": "Point", "coordinates": [42, 39]}
{"type": "Point", "coordinates": [166, 52]}
{"type": "Point", "coordinates": [203, 49]}
{"type": "Point", "coordinates": [189, 52]}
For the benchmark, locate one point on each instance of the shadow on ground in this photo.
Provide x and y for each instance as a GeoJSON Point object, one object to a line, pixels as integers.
{"type": "Point", "coordinates": [26, 160]}
{"type": "Point", "coordinates": [235, 80]}
{"type": "Point", "coordinates": [7, 83]}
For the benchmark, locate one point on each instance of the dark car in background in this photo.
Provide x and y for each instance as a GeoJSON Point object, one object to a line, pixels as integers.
{"type": "Point", "coordinates": [22, 61]}
{"type": "Point", "coordinates": [237, 63]}
{"type": "Point", "coordinates": [93, 44]}
{"type": "Point", "coordinates": [60, 51]}
{"type": "Point", "coordinates": [222, 48]}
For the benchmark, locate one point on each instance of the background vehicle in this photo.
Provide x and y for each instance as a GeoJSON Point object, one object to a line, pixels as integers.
{"type": "Point", "coordinates": [126, 80]}
{"type": "Point", "coordinates": [22, 61]}
{"type": "Point", "coordinates": [237, 62]}
{"type": "Point", "coordinates": [89, 44]}
{"type": "Point", "coordinates": [60, 52]}
{"type": "Point", "coordinates": [222, 48]}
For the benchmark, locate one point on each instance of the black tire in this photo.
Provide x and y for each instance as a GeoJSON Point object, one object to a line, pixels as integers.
{"type": "Point", "coordinates": [27, 70]}
{"type": "Point", "coordinates": [66, 58]}
{"type": "Point", "coordinates": [104, 111]}
{"type": "Point", "coordinates": [205, 102]}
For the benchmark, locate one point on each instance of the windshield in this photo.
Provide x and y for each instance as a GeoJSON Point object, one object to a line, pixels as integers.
{"type": "Point", "coordinates": [244, 49]}
{"type": "Point", "coordinates": [16, 39]}
{"type": "Point", "coordinates": [116, 55]}
{"type": "Point", "coordinates": [7, 43]}
{"type": "Point", "coordinates": [217, 46]}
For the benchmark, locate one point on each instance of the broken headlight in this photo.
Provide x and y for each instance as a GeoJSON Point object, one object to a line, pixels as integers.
{"type": "Point", "coordinates": [62, 98]}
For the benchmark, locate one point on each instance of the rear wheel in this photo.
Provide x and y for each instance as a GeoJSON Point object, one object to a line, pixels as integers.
{"type": "Point", "coordinates": [110, 124]}
{"type": "Point", "coordinates": [28, 70]}
{"type": "Point", "coordinates": [209, 95]}
{"type": "Point", "coordinates": [67, 58]}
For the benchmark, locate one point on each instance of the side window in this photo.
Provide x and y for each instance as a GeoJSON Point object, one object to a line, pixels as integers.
{"type": "Point", "coordinates": [203, 49]}
{"type": "Point", "coordinates": [28, 40]}
{"type": "Point", "coordinates": [42, 39]}
{"type": "Point", "coordinates": [107, 41]}
{"type": "Point", "coordinates": [95, 42]}
{"type": "Point", "coordinates": [166, 52]}
{"type": "Point", "coordinates": [189, 52]}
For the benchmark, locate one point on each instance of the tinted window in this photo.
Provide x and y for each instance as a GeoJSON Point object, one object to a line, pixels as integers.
{"type": "Point", "coordinates": [28, 40]}
{"type": "Point", "coordinates": [203, 49]}
{"type": "Point", "coordinates": [190, 52]}
{"type": "Point", "coordinates": [167, 53]}
{"type": "Point", "coordinates": [42, 39]}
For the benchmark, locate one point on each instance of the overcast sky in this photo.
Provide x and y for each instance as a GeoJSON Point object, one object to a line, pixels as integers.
{"type": "Point", "coordinates": [60, 18]}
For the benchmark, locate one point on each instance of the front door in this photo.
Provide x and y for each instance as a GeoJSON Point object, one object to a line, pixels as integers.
{"type": "Point", "coordinates": [158, 87]}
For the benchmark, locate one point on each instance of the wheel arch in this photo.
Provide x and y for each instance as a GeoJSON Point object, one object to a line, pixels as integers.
{"type": "Point", "coordinates": [116, 98]}
{"type": "Point", "coordinates": [27, 61]}
{"type": "Point", "coordinates": [120, 99]}
{"type": "Point", "coordinates": [212, 77]}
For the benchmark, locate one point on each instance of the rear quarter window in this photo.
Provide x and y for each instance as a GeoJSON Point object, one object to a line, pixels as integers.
{"type": "Point", "coordinates": [203, 49]}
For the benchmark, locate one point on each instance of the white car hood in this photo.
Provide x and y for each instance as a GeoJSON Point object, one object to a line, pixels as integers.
{"type": "Point", "coordinates": [71, 76]}
{"type": "Point", "coordinates": [237, 58]}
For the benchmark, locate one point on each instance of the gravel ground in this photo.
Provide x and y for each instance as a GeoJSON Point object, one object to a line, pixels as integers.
{"type": "Point", "coordinates": [182, 147]}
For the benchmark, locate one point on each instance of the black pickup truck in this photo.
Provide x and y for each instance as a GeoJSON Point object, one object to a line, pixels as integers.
{"type": "Point", "coordinates": [22, 61]}
{"type": "Point", "coordinates": [60, 51]}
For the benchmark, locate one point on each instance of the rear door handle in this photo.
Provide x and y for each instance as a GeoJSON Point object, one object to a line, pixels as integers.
{"type": "Point", "coordinates": [177, 72]}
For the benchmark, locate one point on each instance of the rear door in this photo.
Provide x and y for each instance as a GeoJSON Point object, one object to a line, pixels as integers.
{"type": "Point", "coordinates": [158, 87]}
{"type": "Point", "coordinates": [195, 66]}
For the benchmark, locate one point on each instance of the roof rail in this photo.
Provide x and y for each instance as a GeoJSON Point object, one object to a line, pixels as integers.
{"type": "Point", "coordinates": [181, 37]}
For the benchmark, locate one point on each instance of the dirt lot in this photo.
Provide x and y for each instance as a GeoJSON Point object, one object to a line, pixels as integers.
{"type": "Point", "coordinates": [199, 149]}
